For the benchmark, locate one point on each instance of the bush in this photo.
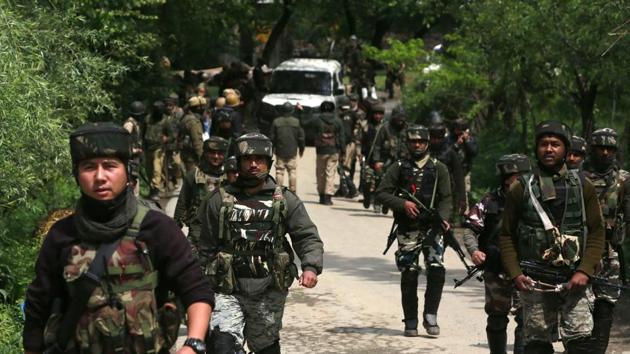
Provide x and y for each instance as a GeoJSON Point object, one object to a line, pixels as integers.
{"type": "Point", "coordinates": [11, 324]}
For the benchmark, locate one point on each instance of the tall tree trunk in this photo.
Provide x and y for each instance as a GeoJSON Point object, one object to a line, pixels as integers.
{"type": "Point", "coordinates": [587, 106]}
{"type": "Point", "coordinates": [277, 30]}
{"type": "Point", "coordinates": [380, 29]}
{"type": "Point", "coordinates": [350, 19]}
{"type": "Point", "coordinates": [626, 148]}
{"type": "Point", "coordinates": [524, 113]}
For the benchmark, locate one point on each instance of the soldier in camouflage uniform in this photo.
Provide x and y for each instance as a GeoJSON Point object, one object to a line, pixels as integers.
{"type": "Point", "coordinates": [190, 132]}
{"type": "Point", "coordinates": [154, 141]}
{"type": "Point", "coordinates": [481, 231]}
{"type": "Point", "coordinates": [172, 154]}
{"type": "Point", "coordinates": [552, 216]}
{"type": "Point", "coordinates": [370, 177]}
{"type": "Point", "coordinates": [127, 248]}
{"type": "Point", "coordinates": [231, 169]}
{"type": "Point", "coordinates": [428, 180]}
{"type": "Point", "coordinates": [133, 125]}
{"type": "Point", "coordinates": [577, 153]}
{"type": "Point", "coordinates": [198, 185]}
{"type": "Point", "coordinates": [248, 257]}
{"type": "Point", "coordinates": [613, 193]}
{"type": "Point", "coordinates": [444, 152]}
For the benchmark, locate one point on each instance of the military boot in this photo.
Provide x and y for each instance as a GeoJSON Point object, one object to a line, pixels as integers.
{"type": "Point", "coordinates": [328, 199]}
{"type": "Point", "coordinates": [154, 195]}
{"type": "Point", "coordinates": [602, 322]}
{"type": "Point", "coordinates": [411, 327]}
{"type": "Point", "coordinates": [322, 199]}
{"type": "Point", "coordinates": [430, 324]}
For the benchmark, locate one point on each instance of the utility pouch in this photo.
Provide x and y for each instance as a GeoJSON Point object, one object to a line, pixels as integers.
{"type": "Point", "coordinates": [284, 271]}
{"type": "Point", "coordinates": [253, 287]}
{"type": "Point", "coordinates": [110, 323]}
{"type": "Point", "coordinates": [221, 273]}
{"type": "Point", "coordinates": [618, 232]}
{"type": "Point", "coordinates": [565, 250]}
{"type": "Point", "coordinates": [169, 319]}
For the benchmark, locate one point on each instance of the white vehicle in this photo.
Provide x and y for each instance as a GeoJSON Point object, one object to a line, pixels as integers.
{"type": "Point", "coordinates": [308, 82]}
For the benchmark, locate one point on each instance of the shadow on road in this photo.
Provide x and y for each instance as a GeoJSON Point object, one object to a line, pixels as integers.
{"type": "Point", "coordinates": [366, 330]}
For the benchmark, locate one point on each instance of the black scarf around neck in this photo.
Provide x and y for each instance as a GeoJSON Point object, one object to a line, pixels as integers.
{"type": "Point", "coordinates": [104, 221]}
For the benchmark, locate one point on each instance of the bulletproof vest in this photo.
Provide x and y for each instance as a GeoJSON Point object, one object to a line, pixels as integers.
{"type": "Point", "coordinates": [494, 204]}
{"type": "Point", "coordinates": [153, 135]}
{"type": "Point", "coordinates": [204, 185]}
{"type": "Point", "coordinates": [394, 144]}
{"type": "Point", "coordinates": [121, 314]}
{"type": "Point", "coordinates": [252, 228]}
{"type": "Point", "coordinates": [566, 211]}
{"type": "Point", "coordinates": [422, 183]}
{"type": "Point", "coordinates": [609, 189]}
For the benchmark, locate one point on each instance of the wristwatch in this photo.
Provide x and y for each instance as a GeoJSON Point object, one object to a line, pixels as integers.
{"type": "Point", "coordinates": [197, 345]}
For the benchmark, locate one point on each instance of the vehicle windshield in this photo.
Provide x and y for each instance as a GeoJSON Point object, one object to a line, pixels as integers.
{"type": "Point", "coordinates": [305, 82]}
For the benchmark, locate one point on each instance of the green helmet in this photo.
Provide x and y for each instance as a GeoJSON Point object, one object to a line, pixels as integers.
{"type": "Point", "coordinates": [437, 130]}
{"type": "Point", "coordinates": [215, 143]}
{"type": "Point", "coordinates": [399, 113]}
{"type": "Point", "coordinates": [230, 164]}
{"type": "Point", "coordinates": [417, 131]}
{"type": "Point", "coordinates": [578, 145]}
{"type": "Point", "coordinates": [136, 108]}
{"type": "Point", "coordinates": [287, 108]}
{"type": "Point", "coordinates": [512, 163]}
{"type": "Point", "coordinates": [100, 139]}
{"type": "Point", "coordinates": [254, 144]}
{"type": "Point", "coordinates": [344, 103]}
{"type": "Point", "coordinates": [378, 108]}
{"type": "Point", "coordinates": [605, 137]}
{"type": "Point", "coordinates": [554, 127]}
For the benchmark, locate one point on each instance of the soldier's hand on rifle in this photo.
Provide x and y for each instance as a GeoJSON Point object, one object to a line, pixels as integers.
{"type": "Point", "coordinates": [308, 279]}
{"type": "Point", "coordinates": [578, 280]}
{"type": "Point", "coordinates": [478, 258]}
{"type": "Point", "coordinates": [378, 166]}
{"type": "Point", "coordinates": [524, 283]}
{"type": "Point", "coordinates": [411, 209]}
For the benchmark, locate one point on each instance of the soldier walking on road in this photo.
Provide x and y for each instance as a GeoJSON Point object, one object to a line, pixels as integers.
{"type": "Point", "coordinates": [248, 258]}
{"type": "Point", "coordinates": [198, 185]}
{"type": "Point", "coordinates": [371, 178]}
{"type": "Point", "coordinates": [464, 143]}
{"type": "Point", "coordinates": [552, 216]}
{"type": "Point", "coordinates": [96, 287]}
{"type": "Point", "coordinates": [288, 140]}
{"type": "Point", "coordinates": [133, 124]}
{"type": "Point", "coordinates": [190, 133]}
{"type": "Point", "coordinates": [442, 151]}
{"type": "Point", "coordinates": [428, 180]}
{"type": "Point", "coordinates": [329, 140]}
{"type": "Point", "coordinates": [613, 191]}
{"type": "Point", "coordinates": [577, 153]}
{"type": "Point", "coordinates": [154, 140]}
{"type": "Point", "coordinates": [481, 232]}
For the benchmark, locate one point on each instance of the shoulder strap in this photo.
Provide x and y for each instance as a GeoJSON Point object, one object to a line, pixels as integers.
{"type": "Point", "coordinates": [435, 183]}
{"type": "Point", "coordinates": [539, 209]}
{"type": "Point", "coordinates": [279, 215]}
{"type": "Point", "coordinates": [227, 204]}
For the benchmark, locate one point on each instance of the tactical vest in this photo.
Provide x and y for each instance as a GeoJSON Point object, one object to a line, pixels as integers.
{"type": "Point", "coordinates": [394, 144]}
{"type": "Point", "coordinates": [533, 240]}
{"type": "Point", "coordinates": [204, 185]}
{"type": "Point", "coordinates": [153, 135]}
{"type": "Point", "coordinates": [609, 190]}
{"type": "Point", "coordinates": [185, 141]}
{"type": "Point", "coordinates": [494, 206]}
{"type": "Point", "coordinates": [422, 183]}
{"type": "Point", "coordinates": [121, 315]}
{"type": "Point", "coordinates": [252, 243]}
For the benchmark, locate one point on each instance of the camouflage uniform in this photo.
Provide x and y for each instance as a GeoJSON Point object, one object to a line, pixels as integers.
{"type": "Point", "coordinates": [612, 190]}
{"type": "Point", "coordinates": [191, 139]}
{"type": "Point", "coordinates": [428, 180]}
{"type": "Point", "coordinates": [570, 201]}
{"type": "Point", "coordinates": [248, 258]}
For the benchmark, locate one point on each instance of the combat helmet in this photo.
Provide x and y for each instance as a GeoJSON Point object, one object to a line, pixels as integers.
{"type": "Point", "coordinates": [327, 106]}
{"type": "Point", "coordinates": [417, 131]}
{"type": "Point", "coordinates": [215, 143]}
{"type": "Point", "coordinates": [344, 103]}
{"type": "Point", "coordinates": [511, 164]}
{"type": "Point", "coordinates": [230, 164]}
{"type": "Point", "coordinates": [554, 127]}
{"type": "Point", "coordinates": [254, 144]}
{"type": "Point", "coordinates": [399, 113]}
{"type": "Point", "coordinates": [287, 108]}
{"type": "Point", "coordinates": [136, 109]}
{"type": "Point", "coordinates": [606, 137]}
{"type": "Point", "coordinates": [197, 101]}
{"type": "Point", "coordinates": [578, 145]}
{"type": "Point", "coordinates": [99, 139]}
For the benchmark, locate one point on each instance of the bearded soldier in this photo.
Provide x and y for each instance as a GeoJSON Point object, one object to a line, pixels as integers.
{"type": "Point", "coordinates": [249, 258]}
{"type": "Point", "coordinates": [198, 184]}
{"type": "Point", "coordinates": [613, 193]}
{"type": "Point", "coordinates": [552, 217]}
{"type": "Point", "coordinates": [103, 273]}
{"type": "Point", "coordinates": [427, 180]}
{"type": "Point", "coordinates": [481, 231]}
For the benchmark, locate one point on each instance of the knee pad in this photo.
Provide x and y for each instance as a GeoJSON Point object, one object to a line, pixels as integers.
{"type": "Point", "coordinates": [497, 323]}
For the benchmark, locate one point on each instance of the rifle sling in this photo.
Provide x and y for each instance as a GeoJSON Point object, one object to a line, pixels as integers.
{"type": "Point", "coordinates": [85, 285]}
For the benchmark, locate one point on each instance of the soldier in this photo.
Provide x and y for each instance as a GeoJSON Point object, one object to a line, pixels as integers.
{"type": "Point", "coordinates": [329, 140]}
{"type": "Point", "coordinates": [249, 259]}
{"type": "Point", "coordinates": [481, 231]}
{"type": "Point", "coordinates": [348, 119]}
{"type": "Point", "coordinates": [370, 178]}
{"type": "Point", "coordinates": [288, 140]}
{"type": "Point", "coordinates": [360, 126]}
{"type": "Point", "coordinates": [394, 76]}
{"type": "Point", "coordinates": [154, 152]}
{"type": "Point", "coordinates": [133, 125]}
{"type": "Point", "coordinates": [552, 216]}
{"type": "Point", "coordinates": [577, 153]}
{"type": "Point", "coordinates": [172, 156]}
{"type": "Point", "coordinates": [190, 132]}
{"type": "Point", "coordinates": [464, 143]}
{"type": "Point", "coordinates": [442, 151]}
{"type": "Point", "coordinates": [231, 169]}
{"type": "Point", "coordinates": [199, 184]}
{"type": "Point", "coordinates": [428, 180]}
{"type": "Point", "coordinates": [96, 285]}
{"type": "Point", "coordinates": [614, 196]}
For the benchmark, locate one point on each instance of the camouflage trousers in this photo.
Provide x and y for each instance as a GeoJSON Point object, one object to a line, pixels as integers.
{"type": "Point", "coordinates": [411, 243]}
{"type": "Point", "coordinates": [609, 268]}
{"type": "Point", "coordinates": [257, 320]}
{"type": "Point", "coordinates": [194, 233]}
{"type": "Point", "coordinates": [501, 295]}
{"type": "Point", "coordinates": [571, 310]}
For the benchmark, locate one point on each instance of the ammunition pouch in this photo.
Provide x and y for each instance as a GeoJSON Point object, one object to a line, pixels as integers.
{"type": "Point", "coordinates": [284, 271]}
{"type": "Point", "coordinates": [253, 287]}
{"type": "Point", "coordinates": [221, 273]}
{"type": "Point", "coordinates": [617, 234]}
{"type": "Point", "coordinates": [169, 319]}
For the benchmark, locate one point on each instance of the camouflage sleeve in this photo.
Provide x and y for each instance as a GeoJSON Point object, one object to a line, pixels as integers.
{"type": "Point", "coordinates": [385, 192]}
{"type": "Point", "coordinates": [183, 202]}
{"type": "Point", "coordinates": [304, 235]}
{"type": "Point", "coordinates": [209, 218]}
{"type": "Point", "coordinates": [508, 235]}
{"type": "Point", "coordinates": [474, 224]}
{"type": "Point", "coordinates": [445, 206]}
{"type": "Point", "coordinates": [196, 135]}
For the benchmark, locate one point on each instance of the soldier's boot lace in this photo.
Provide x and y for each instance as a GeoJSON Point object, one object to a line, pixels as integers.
{"type": "Point", "coordinates": [411, 327]}
{"type": "Point", "coordinates": [430, 324]}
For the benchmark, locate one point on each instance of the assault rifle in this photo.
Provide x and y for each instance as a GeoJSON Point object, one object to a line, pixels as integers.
{"type": "Point", "coordinates": [391, 237]}
{"type": "Point", "coordinates": [555, 279]}
{"type": "Point", "coordinates": [438, 224]}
